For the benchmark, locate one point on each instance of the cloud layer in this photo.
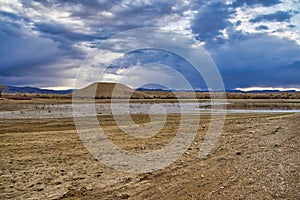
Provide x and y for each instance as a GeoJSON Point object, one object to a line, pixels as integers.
{"type": "Point", "coordinates": [254, 43]}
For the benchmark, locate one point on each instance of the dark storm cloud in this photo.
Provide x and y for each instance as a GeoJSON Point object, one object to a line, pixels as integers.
{"type": "Point", "coordinates": [291, 26]}
{"type": "Point", "coordinates": [65, 38]}
{"type": "Point", "coordinates": [248, 59]}
{"type": "Point", "coordinates": [245, 61]}
{"type": "Point", "coordinates": [262, 27]}
{"type": "Point", "coordinates": [278, 16]}
{"type": "Point", "coordinates": [258, 60]}
{"type": "Point", "coordinates": [37, 45]}
{"type": "Point", "coordinates": [146, 56]}
{"type": "Point", "coordinates": [266, 3]}
{"type": "Point", "coordinates": [211, 20]}
{"type": "Point", "coordinates": [107, 18]}
{"type": "Point", "coordinates": [26, 58]}
{"type": "Point", "coordinates": [13, 16]}
{"type": "Point", "coordinates": [60, 30]}
{"type": "Point", "coordinates": [19, 48]}
{"type": "Point", "coordinates": [239, 22]}
{"type": "Point", "coordinates": [89, 7]}
{"type": "Point", "coordinates": [280, 76]}
{"type": "Point", "coordinates": [42, 47]}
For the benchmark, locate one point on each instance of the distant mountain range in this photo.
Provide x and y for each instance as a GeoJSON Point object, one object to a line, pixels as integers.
{"type": "Point", "coordinates": [31, 90]}
{"type": "Point", "coordinates": [229, 91]}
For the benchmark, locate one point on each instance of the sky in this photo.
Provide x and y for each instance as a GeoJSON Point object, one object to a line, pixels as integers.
{"type": "Point", "coordinates": [254, 43]}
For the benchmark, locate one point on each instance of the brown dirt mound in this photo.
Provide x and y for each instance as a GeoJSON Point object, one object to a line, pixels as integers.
{"type": "Point", "coordinates": [103, 90]}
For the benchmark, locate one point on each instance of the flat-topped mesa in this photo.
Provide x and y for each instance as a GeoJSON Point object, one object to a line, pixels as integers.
{"type": "Point", "coordinates": [105, 90]}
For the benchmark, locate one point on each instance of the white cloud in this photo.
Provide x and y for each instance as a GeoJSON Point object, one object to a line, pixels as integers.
{"type": "Point", "coordinates": [267, 88]}
{"type": "Point", "coordinates": [275, 28]}
{"type": "Point", "coordinates": [11, 6]}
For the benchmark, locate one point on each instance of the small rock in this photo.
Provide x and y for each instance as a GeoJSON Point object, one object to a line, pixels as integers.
{"type": "Point", "coordinates": [124, 196]}
{"type": "Point", "coordinates": [238, 153]}
{"type": "Point", "coordinates": [58, 182]}
{"type": "Point", "coordinates": [89, 187]}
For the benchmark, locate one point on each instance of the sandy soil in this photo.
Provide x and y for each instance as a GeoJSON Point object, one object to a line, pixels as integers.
{"type": "Point", "coordinates": [256, 157]}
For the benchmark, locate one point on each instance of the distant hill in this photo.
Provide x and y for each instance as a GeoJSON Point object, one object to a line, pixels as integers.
{"type": "Point", "coordinates": [32, 90]}
{"type": "Point", "coordinates": [104, 90]}
{"type": "Point", "coordinates": [150, 89]}
{"type": "Point", "coordinates": [154, 87]}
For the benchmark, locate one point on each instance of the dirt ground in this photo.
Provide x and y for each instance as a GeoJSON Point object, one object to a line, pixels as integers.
{"type": "Point", "coordinates": [256, 157]}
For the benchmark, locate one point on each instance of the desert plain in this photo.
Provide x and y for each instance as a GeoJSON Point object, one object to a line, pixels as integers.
{"type": "Point", "coordinates": [255, 157]}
